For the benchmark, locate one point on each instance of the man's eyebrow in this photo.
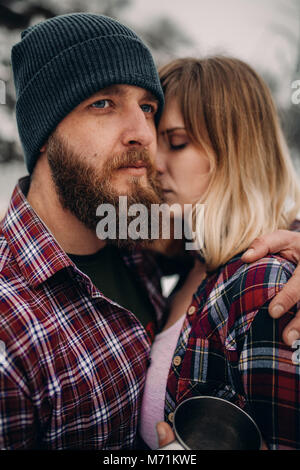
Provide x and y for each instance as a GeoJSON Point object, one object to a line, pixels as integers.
{"type": "Point", "coordinates": [112, 90]}
{"type": "Point", "coordinates": [119, 91]}
{"type": "Point", "coordinates": [149, 96]}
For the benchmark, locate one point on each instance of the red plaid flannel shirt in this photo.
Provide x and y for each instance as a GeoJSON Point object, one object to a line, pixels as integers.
{"type": "Point", "coordinates": [72, 362]}
{"type": "Point", "coordinates": [230, 347]}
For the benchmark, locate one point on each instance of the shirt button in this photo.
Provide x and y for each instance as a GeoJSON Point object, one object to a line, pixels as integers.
{"type": "Point", "coordinates": [177, 360]}
{"type": "Point", "coordinates": [191, 310]}
{"type": "Point", "coordinates": [171, 417]}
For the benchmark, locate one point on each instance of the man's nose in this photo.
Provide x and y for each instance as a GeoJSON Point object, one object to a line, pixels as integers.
{"type": "Point", "coordinates": [139, 130]}
{"type": "Point", "coordinates": [160, 160]}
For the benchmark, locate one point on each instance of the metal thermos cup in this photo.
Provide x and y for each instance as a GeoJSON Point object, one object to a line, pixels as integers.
{"type": "Point", "coordinates": [211, 423]}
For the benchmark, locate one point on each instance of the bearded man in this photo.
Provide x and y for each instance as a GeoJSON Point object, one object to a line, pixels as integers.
{"type": "Point", "coordinates": [75, 310]}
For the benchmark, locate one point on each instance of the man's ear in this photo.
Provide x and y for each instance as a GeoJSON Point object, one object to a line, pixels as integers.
{"type": "Point", "coordinates": [43, 149]}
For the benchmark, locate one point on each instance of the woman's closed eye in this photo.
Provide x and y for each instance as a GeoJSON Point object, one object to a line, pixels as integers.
{"type": "Point", "coordinates": [177, 142]}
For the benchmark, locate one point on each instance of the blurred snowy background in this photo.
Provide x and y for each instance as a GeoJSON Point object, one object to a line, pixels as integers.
{"type": "Point", "coordinates": [265, 33]}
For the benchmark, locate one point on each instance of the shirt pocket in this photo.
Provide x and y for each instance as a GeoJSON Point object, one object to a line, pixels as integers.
{"type": "Point", "coordinates": [204, 372]}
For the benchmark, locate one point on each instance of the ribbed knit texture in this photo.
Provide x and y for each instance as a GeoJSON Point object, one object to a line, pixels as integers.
{"type": "Point", "coordinates": [64, 60]}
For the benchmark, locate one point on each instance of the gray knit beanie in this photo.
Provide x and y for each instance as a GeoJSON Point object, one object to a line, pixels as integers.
{"type": "Point", "coordinates": [62, 61]}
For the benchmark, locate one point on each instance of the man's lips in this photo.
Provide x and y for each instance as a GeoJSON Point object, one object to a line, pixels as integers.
{"type": "Point", "coordinates": [137, 168]}
{"type": "Point", "coordinates": [138, 164]}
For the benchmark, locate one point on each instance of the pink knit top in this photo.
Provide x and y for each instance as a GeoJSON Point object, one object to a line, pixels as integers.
{"type": "Point", "coordinates": [156, 382]}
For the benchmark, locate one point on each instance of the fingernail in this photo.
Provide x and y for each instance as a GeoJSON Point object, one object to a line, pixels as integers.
{"type": "Point", "coordinates": [277, 311]}
{"type": "Point", "coordinates": [293, 335]}
{"type": "Point", "coordinates": [161, 432]}
{"type": "Point", "coordinates": [249, 252]}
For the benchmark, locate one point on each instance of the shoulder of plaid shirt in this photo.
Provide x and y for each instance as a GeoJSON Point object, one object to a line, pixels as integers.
{"type": "Point", "coordinates": [72, 362]}
{"type": "Point", "coordinates": [230, 347]}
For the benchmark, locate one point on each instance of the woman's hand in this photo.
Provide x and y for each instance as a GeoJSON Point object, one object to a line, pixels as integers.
{"type": "Point", "coordinates": [287, 244]}
{"type": "Point", "coordinates": [165, 434]}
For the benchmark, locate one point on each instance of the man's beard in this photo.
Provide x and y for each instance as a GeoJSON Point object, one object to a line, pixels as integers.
{"type": "Point", "coordinates": [81, 188]}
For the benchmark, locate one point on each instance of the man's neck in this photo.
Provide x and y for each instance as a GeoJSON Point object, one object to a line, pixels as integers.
{"type": "Point", "coordinates": [71, 234]}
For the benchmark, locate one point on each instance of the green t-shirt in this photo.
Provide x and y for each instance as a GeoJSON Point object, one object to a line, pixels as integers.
{"type": "Point", "coordinates": [111, 276]}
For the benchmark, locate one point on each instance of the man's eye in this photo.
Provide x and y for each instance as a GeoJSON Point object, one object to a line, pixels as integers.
{"type": "Point", "coordinates": [101, 104]}
{"type": "Point", "coordinates": [148, 108]}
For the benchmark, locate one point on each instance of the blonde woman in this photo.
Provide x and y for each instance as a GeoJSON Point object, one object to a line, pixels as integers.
{"type": "Point", "coordinates": [220, 144]}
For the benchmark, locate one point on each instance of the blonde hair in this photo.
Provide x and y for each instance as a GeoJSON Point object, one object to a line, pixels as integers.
{"type": "Point", "coordinates": [229, 113]}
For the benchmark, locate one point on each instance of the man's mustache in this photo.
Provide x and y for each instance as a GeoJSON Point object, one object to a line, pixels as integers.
{"type": "Point", "coordinates": [132, 158]}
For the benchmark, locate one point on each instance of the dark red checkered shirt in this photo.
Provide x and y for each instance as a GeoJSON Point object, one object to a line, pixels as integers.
{"type": "Point", "coordinates": [230, 347]}
{"type": "Point", "coordinates": [72, 362]}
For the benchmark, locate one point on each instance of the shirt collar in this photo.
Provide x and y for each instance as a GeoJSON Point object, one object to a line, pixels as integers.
{"type": "Point", "coordinates": [34, 248]}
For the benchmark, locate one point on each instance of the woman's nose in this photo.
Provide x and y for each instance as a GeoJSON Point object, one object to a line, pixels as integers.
{"type": "Point", "coordinates": [160, 160]}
